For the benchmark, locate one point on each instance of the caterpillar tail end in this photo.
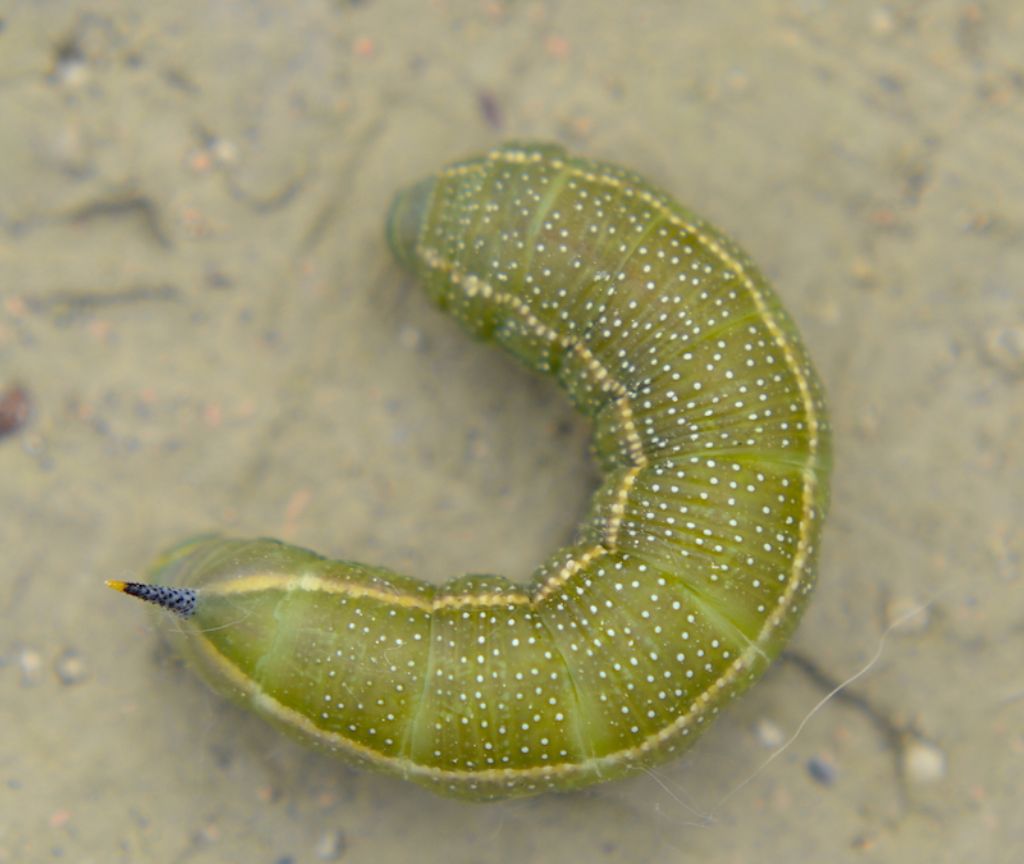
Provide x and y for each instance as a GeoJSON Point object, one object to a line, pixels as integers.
{"type": "Point", "coordinates": [180, 601]}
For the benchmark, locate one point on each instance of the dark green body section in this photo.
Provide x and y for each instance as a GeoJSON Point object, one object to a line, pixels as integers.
{"type": "Point", "coordinates": [690, 571]}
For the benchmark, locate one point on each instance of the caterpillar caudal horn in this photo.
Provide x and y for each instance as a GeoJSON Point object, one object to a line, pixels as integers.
{"type": "Point", "coordinates": [686, 578]}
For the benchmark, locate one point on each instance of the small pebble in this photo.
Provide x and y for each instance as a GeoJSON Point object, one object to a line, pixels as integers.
{"type": "Point", "coordinates": [59, 818]}
{"type": "Point", "coordinates": [411, 338]}
{"type": "Point", "coordinates": [224, 151]}
{"type": "Point", "coordinates": [862, 270]}
{"type": "Point", "coordinates": [1003, 347]}
{"type": "Point", "coordinates": [15, 406]}
{"type": "Point", "coordinates": [923, 762]}
{"type": "Point", "coordinates": [737, 82]}
{"type": "Point", "coordinates": [218, 280]}
{"type": "Point", "coordinates": [769, 734]}
{"type": "Point", "coordinates": [268, 794]}
{"type": "Point", "coordinates": [363, 47]}
{"type": "Point", "coordinates": [70, 69]}
{"type": "Point", "coordinates": [490, 110]}
{"type": "Point", "coordinates": [29, 662]}
{"type": "Point", "coordinates": [822, 770]}
{"type": "Point", "coordinates": [331, 846]}
{"type": "Point", "coordinates": [867, 423]}
{"type": "Point", "coordinates": [906, 616]}
{"type": "Point", "coordinates": [864, 842]}
{"type": "Point", "coordinates": [882, 22]}
{"type": "Point", "coordinates": [70, 667]}
{"type": "Point", "coordinates": [69, 149]}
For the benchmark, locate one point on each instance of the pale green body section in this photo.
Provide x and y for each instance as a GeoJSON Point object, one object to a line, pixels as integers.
{"type": "Point", "coordinates": [689, 573]}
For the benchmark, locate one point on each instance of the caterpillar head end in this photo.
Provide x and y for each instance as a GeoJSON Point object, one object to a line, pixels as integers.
{"type": "Point", "coordinates": [180, 601]}
{"type": "Point", "coordinates": [409, 211]}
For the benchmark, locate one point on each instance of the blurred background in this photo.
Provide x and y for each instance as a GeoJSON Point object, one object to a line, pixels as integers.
{"type": "Point", "coordinates": [201, 328]}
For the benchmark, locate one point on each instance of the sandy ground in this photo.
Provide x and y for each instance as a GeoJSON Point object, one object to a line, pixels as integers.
{"type": "Point", "coordinates": [196, 298]}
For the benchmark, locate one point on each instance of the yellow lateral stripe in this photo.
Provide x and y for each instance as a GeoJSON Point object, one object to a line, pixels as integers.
{"type": "Point", "coordinates": [257, 582]}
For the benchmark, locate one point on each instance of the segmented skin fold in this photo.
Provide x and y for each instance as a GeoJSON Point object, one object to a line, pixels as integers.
{"type": "Point", "coordinates": [687, 576]}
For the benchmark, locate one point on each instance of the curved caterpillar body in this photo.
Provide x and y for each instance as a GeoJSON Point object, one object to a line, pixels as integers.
{"type": "Point", "coordinates": [688, 574]}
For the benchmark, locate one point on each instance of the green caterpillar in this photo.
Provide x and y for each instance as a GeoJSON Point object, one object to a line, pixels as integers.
{"type": "Point", "coordinates": [686, 578]}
